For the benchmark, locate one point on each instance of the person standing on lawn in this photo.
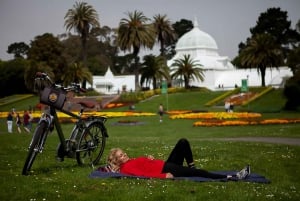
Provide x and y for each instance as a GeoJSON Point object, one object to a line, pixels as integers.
{"type": "Point", "coordinates": [18, 123]}
{"type": "Point", "coordinates": [26, 121]}
{"type": "Point", "coordinates": [160, 112]}
{"type": "Point", "coordinates": [9, 120]}
{"type": "Point", "coordinates": [148, 166]}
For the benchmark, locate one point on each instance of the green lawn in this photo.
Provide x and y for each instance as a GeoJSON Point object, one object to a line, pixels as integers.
{"type": "Point", "coordinates": [51, 180]}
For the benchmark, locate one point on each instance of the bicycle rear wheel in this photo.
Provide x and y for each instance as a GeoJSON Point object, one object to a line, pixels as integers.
{"type": "Point", "coordinates": [34, 147]}
{"type": "Point", "coordinates": [91, 144]}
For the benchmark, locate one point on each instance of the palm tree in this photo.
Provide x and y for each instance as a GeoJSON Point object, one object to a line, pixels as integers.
{"type": "Point", "coordinates": [135, 33]}
{"type": "Point", "coordinates": [187, 68]}
{"type": "Point", "coordinates": [164, 31]}
{"type": "Point", "coordinates": [76, 73]}
{"type": "Point", "coordinates": [82, 18]}
{"type": "Point", "coordinates": [154, 69]}
{"type": "Point", "coordinates": [261, 52]}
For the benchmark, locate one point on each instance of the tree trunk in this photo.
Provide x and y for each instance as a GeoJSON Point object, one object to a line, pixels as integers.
{"type": "Point", "coordinates": [136, 51]}
{"type": "Point", "coordinates": [186, 82]}
{"type": "Point", "coordinates": [263, 74]}
{"type": "Point", "coordinates": [136, 73]}
{"type": "Point", "coordinates": [84, 54]}
{"type": "Point", "coordinates": [154, 83]}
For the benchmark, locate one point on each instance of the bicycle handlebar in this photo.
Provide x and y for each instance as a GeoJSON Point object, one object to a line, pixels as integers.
{"type": "Point", "coordinates": [74, 86]}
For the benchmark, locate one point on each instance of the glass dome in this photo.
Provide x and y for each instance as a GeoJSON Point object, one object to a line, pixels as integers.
{"type": "Point", "coordinates": [196, 39]}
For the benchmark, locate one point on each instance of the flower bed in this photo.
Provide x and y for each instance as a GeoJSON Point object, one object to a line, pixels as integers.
{"type": "Point", "coordinates": [242, 122]}
{"type": "Point", "coordinates": [227, 119]}
{"type": "Point", "coordinates": [215, 115]}
{"type": "Point", "coordinates": [128, 123]}
{"type": "Point", "coordinates": [204, 118]}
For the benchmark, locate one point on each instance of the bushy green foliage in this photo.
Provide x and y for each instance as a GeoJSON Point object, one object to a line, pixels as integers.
{"type": "Point", "coordinates": [292, 92]}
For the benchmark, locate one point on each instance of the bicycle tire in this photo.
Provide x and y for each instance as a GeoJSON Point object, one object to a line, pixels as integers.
{"type": "Point", "coordinates": [32, 151]}
{"type": "Point", "coordinates": [91, 144]}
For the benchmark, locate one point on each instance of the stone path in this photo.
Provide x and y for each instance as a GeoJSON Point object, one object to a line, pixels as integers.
{"type": "Point", "coordinates": [274, 140]}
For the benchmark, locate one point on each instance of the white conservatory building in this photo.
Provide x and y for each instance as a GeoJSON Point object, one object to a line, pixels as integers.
{"type": "Point", "coordinates": [111, 84]}
{"type": "Point", "coordinates": [219, 73]}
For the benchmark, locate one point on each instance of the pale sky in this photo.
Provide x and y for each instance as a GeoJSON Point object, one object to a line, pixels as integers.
{"type": "Point", "coordinates": [227, 21]}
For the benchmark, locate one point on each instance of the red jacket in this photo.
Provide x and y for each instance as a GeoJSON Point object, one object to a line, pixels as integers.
{"type": "Point", "coordinates": [144, 166]}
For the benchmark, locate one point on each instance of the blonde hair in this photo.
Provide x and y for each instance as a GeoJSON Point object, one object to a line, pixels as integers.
{"type": "Point", "coordinates": [113, 161]}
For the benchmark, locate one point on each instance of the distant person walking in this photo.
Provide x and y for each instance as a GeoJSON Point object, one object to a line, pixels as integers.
{"type": "Point", "coordinates": [9, 122]}
{"type": "Point", "coordinates": [160, 112]}
{"type": "Point", "coordinates": [18, 123]}
{"type": "Point", "coordinates": [26, 121]}
{"type": "Point", "coordinates": [30, 120]}
{"type": "Point", "coordinates": [227, 106]}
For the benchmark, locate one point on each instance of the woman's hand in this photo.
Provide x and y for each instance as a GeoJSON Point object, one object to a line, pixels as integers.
{"type": "Point", "coordinates": [169, 175]}
{"type": "Point", "coordinates": [150, 157]}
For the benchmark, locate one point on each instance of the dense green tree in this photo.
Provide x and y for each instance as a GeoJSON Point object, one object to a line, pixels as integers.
{"type": "Point", "coordinates": [183, 26]}
{"type": "Point", "coordinates": [48, 49]}
{"type": "Point", "coordinates": [292, 91]}
{"type": "Point", "coordinates": [134, 33]}
{"type": "Point", "coordinates": [293, 60]}
{"type": "Point", "coordinates": [164, 31]}
{"type": "Point", "coordinates": [180, 28]}
{"type": "Point", "coordinates": [12, 77]}
{"type": "Point", "coordinates": [275, 23]}
{"type": "Point", "coordinates": [261, 52]}
{"type": "Point", "coordinates": [154, 69]}
{"type": "Point", "coordinates": [71, 50]}
{"type": "Point", "coordinates": [18, 49]}
{"type": "Point", "coordinates": [187, 68]}
{"type": "Point", "coordinates": [123, 64]}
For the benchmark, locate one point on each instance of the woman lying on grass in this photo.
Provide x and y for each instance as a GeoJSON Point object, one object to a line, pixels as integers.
{"type": "Point", "coordinates": [118, 161]}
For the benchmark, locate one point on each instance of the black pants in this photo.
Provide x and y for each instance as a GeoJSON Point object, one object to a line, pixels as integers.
{"type": "Point", "coordinates": [182, 151]}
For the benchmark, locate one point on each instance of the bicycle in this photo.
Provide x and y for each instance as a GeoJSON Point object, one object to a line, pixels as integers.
{"type": "Point", "coordinates": [88, 137]}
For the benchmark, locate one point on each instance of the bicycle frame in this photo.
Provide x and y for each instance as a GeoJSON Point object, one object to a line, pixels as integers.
{"type": "Point", "coordinates": [59, 128]}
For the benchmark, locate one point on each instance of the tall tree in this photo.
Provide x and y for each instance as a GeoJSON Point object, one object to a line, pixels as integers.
{"type": "Point", "coordinates": [12, 77]}
{"type": "Point", "coordinates": [261, 52]}
{"type": "Point", "coordinates": [134, 33]}
{"type": "Point", "coordinates": [187, 68]}
{"type": "Point", "coordinates": [154, 69]}
{"type": "Point", "coordinates": [18, 49]}
{"type": "Point", "coordinates": [291, 89]}
{"type": "Point", "coordinates": [164, 31]}
{"type": "Point", "coordinates": [180, 27]}
{"type": "Point", "coordinates": [293, 60]}
{"type": "Point", "coordinates": [48, 49]}
{"type": "Point", "coordinates": [275, 23]}
{"type": "Point", "coordinates": [82, 17]}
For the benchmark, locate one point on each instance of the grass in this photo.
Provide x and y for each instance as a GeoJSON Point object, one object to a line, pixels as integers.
{"type": "Point", "coordinates": [51, 180]}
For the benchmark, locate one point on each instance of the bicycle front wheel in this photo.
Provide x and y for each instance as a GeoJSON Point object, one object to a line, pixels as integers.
{"type": "Point", "coordinates": [91, 144]}
{"type": "Point", "coordinates": [34, 147]}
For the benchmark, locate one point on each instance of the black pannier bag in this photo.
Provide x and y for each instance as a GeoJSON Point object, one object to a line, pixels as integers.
{"type": "Point", "coordinates": [53, 97]}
